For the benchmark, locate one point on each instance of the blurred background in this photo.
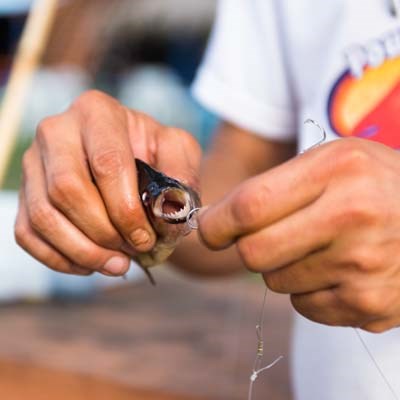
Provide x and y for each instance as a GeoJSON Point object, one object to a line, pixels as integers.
{"type": "Point", "coordinates": [83, 338]}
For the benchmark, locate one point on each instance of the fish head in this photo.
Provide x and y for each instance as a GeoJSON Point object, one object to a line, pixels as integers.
{"type": "Point", "coordinates": [168, 204]}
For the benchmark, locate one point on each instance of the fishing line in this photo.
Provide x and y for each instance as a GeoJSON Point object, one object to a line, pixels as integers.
{"type": "Point", "coordinates": [377, 367]}
{"type": "Point", "coordinates": [257, 369]}
{"type": "Point", "coordinates": [322, 131]}
{"type": "Point", "coordinates": [362, 341]}
{"type": "Point", "coordinates": [260, 326]}
{"type": "Point", "coordinates": [192, 223]}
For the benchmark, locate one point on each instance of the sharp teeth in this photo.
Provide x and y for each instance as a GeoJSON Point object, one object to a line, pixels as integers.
{"type": "Point", "coordinates": [182, 213]}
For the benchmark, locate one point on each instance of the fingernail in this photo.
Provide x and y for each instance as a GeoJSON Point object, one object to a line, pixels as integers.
{"type": "Point", "coordinates": [116, 265]}
{"type": "Point", "coordinates": [81, 271]}
{"type": "Point", "coordinates": [140, 239]}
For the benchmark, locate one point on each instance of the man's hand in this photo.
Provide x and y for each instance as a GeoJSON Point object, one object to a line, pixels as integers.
{"type": "Point", "coordinates": [324, 228]}
{"type": "Point", "coordinates": [80, 210]}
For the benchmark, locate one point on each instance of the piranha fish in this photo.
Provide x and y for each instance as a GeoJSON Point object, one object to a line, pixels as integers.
{"type": "Point", "coordinates": [168, 204]}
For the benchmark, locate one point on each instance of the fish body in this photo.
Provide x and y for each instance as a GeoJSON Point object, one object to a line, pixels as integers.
{"type": "Point", "coordinates": [168, 204]}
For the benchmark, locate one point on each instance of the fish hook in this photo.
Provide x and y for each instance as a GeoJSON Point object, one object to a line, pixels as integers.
{"type": "Point", "coordinates": [323, 133]}
{"type": "Point", "coordinates": [191, 219]}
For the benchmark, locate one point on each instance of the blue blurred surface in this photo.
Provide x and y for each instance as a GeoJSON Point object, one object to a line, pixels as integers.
{"type": "Point", "coordinates": [14, 6]}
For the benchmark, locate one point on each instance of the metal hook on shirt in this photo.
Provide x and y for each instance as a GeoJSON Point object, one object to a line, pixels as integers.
{"type": "Point", "coordinates": [323, 133]}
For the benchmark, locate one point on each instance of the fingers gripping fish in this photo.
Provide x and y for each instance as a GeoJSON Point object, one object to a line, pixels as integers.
{"type": "Point", "coordinates": [168, 204]}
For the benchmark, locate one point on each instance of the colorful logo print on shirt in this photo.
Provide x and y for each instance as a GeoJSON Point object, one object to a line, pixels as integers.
{"type": "Point", "coordinates": [368, 107]}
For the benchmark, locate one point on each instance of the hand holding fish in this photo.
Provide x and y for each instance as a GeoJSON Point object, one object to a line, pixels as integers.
{"type": "Point", "coordinates": [325, 228]}
{"type": "Point", "coordinates": [80, 206]}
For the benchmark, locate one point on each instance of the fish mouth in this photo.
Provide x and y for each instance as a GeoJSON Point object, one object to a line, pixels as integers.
{"type": "Point", "coordinates": [173, 205]}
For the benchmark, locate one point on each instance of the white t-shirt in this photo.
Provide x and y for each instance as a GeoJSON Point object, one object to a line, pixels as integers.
{"type": "Point", "coordinates": [270, 65]}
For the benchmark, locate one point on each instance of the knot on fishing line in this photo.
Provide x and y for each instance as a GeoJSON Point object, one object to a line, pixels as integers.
{"type": "Point", "coordinates": [254, 376]}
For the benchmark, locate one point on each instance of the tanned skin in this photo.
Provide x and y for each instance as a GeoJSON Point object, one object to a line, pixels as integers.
{"type": "Point", "coordinates": [323, 227]}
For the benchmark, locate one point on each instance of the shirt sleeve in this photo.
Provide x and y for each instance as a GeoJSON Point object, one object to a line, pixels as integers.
{"type": "Point", "coordinates": [244, 75]}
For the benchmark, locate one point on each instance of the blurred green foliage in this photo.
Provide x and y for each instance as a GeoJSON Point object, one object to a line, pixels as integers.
{"type": "Point", "coordinates": [13, 176]}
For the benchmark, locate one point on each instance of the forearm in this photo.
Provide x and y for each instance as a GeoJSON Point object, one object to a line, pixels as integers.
{"type": "Point", "coordinates": [234, 156]}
